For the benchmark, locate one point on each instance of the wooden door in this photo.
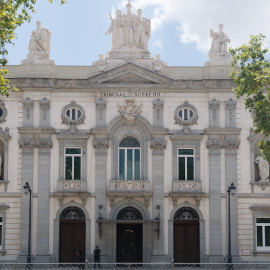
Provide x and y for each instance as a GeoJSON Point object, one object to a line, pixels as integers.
{"type": "Point", "coordinates": [72, 236]}
{"type": "Point", "coordinates": [186, 241]}
{"type": "Point", "coordinates": [129, 243]}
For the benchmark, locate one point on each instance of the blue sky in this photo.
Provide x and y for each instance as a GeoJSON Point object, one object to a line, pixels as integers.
{"type": "Point", "coordinates": [180, 28]}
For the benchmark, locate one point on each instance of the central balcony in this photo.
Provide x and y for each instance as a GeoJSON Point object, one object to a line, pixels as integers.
{"type": "Point", "coordinates": [129, 189]}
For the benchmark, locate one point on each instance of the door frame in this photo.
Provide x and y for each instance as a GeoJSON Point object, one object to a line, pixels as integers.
{"type": "Point", "coordinates": [202, 230]}
{"type": "Point", "coordinates": [56, 233]}
{"type": "Point", "coordinates": [73, 222]}
{"type": "Point", "coordinates": [117, 239]}
{"type": "Point", "coordinates": [186, 222]}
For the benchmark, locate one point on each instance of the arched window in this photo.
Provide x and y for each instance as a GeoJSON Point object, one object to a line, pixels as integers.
{"type": "Point", "coordinates": [71, 213]}
{"type": "Point", "coordinates": [186, 213]}
{"type": "Point", "coordinates": [129, 159]}
{"type": "Point", "coordinates": [129, 213]}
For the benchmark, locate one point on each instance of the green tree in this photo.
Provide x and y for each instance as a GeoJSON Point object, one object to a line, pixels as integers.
{"type": "Point", "coordinates": [13, 13]}
{"type": "Point", "coordinates": [252, 81]}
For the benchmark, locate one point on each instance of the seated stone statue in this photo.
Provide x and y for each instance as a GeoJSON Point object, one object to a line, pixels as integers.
{"type": "Point", "coordinates": [219, 42]}
{"type": "Point", "coordinates": [39, 46]}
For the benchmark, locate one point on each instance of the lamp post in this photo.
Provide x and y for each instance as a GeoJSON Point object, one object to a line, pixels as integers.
{"type": "Point", "coordinates": [231, 191]}
{"type": "Point", "coordinates": [27, 190]}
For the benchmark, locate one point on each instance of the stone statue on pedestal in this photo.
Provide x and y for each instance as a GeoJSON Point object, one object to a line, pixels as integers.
{"type": "Point", "coordinates": [130, 34]}
{"type": "Point", "coordinates": [263, 168]}
{"type": "Point", "coordinates": [219, 46]}
{"type": "Point", "coordinates": [39, 46]}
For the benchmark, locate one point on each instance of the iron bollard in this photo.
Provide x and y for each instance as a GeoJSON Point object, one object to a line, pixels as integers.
{"type": "Point", "coordinates": [172, 264]}
{"type": "Point", "coordinates": [86, 265]}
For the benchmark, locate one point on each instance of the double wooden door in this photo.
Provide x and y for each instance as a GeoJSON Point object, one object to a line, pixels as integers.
{"type": "Point", "coordinates": [129, 243]}
{"type": "Point", "coordinates": [186, 241]}
{"type": "Point", "coordinates": [72, 236]}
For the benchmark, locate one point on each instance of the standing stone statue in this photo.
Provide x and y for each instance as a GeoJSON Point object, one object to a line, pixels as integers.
{"type": "Point", "coordinates": [39, 46]}
{"type": "Point", "coordinates": [117, 30]}
{"type": "Point", "coordinates": [141, 30]}
{"type": "Point", "coordinates": [129, 25]}
{"type": "Point", "coordinates": [263, 168]}
{"type": "Point", "coordinates": [219, 42]}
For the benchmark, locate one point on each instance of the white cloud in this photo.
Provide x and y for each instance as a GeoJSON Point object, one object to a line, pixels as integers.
{"type": "Point", "coordinates": [158, 43]}
{"type": "Point", "coordinates": [195, 18]}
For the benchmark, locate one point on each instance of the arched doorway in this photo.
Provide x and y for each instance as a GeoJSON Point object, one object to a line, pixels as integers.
{"type": "Point", "coordinates": [129, 235]}
{"type": "Point", "coordinates": [186, 236]}
{"type": "Point", "coordinates": [72, 234]}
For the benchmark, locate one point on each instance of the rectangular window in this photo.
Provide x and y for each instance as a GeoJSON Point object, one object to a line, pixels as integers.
{"type": "Point", "coordinates": [73, 160]}
{"type": "Point", "coordinates": [263, 233]}
{"type": "Point", "coordinates": [185, 164]}
{"type": "Point", "coordinates": [129, 164]}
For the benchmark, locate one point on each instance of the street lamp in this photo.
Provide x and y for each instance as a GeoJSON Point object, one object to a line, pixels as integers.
{"type": "Point", "coordinates": [231, 190]}
{"type": "Point", "coordinates": [27, 190]}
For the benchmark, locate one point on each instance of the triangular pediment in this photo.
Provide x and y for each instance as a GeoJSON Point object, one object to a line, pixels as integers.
{"type": "Point", "coordinates": [130, 74]}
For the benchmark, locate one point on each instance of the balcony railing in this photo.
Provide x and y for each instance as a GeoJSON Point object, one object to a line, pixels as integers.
{"type": "Point", "coordinates": [72, 186]}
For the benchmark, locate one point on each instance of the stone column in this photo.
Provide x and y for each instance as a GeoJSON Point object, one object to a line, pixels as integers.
{"type": "Point", "coordinates": [43, 222]}
{"type": "Point", "coordinates": [28, 115]}
{"type": "Point", "coordinates": [44, 112]}
{"type": "Point", "coordinates": [215, 229]}
{"type": "Point", "coordinates": [214, 117]}
{"type": "Point", "coordinates": [231, 146]}
{"type": "Point", "coordinates": [27, 144]}
{"type": "Point", "coordinates": [101, 146]}
{"type": "Point", "coordinates": [230, 112]}
{"type": "Point", "coordinates": [158, 145]}
{"type": "Point", "coordinates": [101, 113]}
{"type": "Point", "coordinates": [158, 106]}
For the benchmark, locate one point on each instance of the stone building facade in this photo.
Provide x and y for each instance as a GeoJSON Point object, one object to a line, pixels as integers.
{"type": "Point", "coordinates": [133, 156]}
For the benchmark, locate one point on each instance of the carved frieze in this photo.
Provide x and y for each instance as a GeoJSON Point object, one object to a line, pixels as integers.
{"type": "Point", "coordinates": [71, 185]}
{"type": "Point", "coordinates": [129, 185]}
{"type": "Point", "coordinates": [130, 111]}
{"type": "Point", "coordinates": [101, 145]}
{"type": "Point", "coordinates": [186, 185]}
{"type": "Point", "coordinates": [158, 144]}
{"type": "Point", "coordinates": [27, 144]}
{"type": "Point", "coordinates": [44, 143]}
{"type": "Point", "coordinates": [223, 144]}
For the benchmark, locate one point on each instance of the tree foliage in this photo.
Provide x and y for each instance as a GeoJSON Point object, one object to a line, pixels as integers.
{"type": "Point", "coordinates": [252, 81]}
{"type": "Point", "coordinates": [13, 13]}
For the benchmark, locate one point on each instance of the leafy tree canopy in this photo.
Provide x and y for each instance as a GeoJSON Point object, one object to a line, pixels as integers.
{"type": "Point", "coordinates": [13, 13]}
{"type": "Point", "coordinates": [252, 81]}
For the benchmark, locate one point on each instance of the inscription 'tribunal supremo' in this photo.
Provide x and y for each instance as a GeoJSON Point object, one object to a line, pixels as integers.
{"type": "Point", "coordinates": [135, 94]}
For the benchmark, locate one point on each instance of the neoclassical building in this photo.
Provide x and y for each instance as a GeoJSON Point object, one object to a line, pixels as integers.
{"type": "Point", "coordinates": [129, 154]}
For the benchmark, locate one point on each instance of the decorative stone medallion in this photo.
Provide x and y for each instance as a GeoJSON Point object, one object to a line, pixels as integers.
{"type": "Point", "coordinates": [130, 110]}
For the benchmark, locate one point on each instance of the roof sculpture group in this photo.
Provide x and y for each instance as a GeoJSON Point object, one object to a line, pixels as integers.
{"type": "Point", "coordinates": [130, 37]}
